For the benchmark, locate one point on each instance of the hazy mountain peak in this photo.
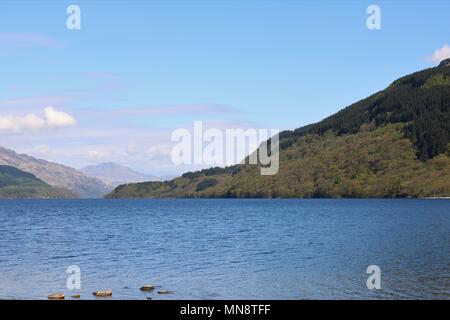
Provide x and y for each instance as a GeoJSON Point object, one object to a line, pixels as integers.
{"type": "Point", "coordinates": [115, 174]}
{"type": "Point", "coordinates": [54, 174]}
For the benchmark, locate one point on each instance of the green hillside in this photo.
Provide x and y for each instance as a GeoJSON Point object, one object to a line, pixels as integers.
{"type": "Point", "coordinates": [394, 143]}
{"type": "Point", "coordinates": [18, 184]}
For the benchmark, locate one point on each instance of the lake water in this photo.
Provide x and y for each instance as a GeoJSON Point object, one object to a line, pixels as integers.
{"type": "Point", "coordinates": [226, 249]}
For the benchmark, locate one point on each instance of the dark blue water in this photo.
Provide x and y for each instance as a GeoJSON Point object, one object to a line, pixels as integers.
{"type": "Point", "coordinates": [227, 249]}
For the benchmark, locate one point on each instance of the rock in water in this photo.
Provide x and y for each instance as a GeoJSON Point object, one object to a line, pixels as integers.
{"type": "Point", "coordinates": [76, 296]}
{"type": "Point", "coordinates": [56, 296]}
{"type": "Point", "coordinates": [103, 293]}
{"type": "Point", "coordinates": [165, 292]}
{"type": "Point", "coordinates": [147, 287]}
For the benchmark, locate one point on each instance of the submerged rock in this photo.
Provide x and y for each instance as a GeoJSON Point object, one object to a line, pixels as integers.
{"type": "Point", "coordinates": [165, 292]}
{"type": "Point", "coordinates": [103, 293]}
{"type": "Point", "coordinates": [76, 296]}
{"type": "Point", "coordinates": [147, 287]}
{"type": "Point", "coordinates": [56, 296]}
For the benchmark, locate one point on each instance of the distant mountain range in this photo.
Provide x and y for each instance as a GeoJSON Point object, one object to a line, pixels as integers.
{"type": "Point", "coordinates": [394, 143]}
{"type": "Point", "coordinates": [114, 174]}
{"type": "Point", "coordinates": [56, 175]}
{"type": "Point", "coordinates": [17, 184]}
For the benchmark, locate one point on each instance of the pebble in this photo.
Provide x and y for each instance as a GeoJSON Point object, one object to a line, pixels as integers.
{"type": "Point", "coordinates": [103, 293]}
{"type": "Point", "coordinates": [56, 296]}
{"type": "Point", "coordinates": [147, 287]}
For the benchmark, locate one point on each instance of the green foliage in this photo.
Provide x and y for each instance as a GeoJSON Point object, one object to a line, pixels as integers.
{"type": "Point", "coordinates": [439, 79]}
{"type": "Point", "coordinates": [211, 172]}
{"type": "Point", "coordinates": [378, 162]}
{"type": "Point", "coordinates": [205, 184]}
{"type": "Point", "coordinates": [10, 176]}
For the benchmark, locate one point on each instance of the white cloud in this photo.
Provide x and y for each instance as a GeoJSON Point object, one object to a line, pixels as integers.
{"type": "Point", "coordinates": [440, 54]}
{"type": "Point", "coordinates": [30, 122]}
{"type": "Point", "coordinates": [58, 119]}
{"type": "Point", "coordinates": [18, 124]}
{"type": "Point", "coordinates": [97, 154]}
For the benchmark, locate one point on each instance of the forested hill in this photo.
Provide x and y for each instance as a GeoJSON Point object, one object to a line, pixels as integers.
{"type": "Point", "coordinates": [420, 100]}
{"type": "Point", "coordinates": [18, 184]}
{"type": "Point", "coordinates": [394, 143]}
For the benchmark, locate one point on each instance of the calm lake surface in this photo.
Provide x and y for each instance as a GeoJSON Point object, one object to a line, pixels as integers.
{"type": "Point", "coordinates": [226, 249]}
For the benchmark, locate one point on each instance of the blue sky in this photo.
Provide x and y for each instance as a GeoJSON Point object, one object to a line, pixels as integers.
{"type": "Point", "coordinates": [139, 69]}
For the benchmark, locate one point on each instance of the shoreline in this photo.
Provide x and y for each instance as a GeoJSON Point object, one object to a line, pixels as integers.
{"type": "Point", "coordinates": [232, 198]}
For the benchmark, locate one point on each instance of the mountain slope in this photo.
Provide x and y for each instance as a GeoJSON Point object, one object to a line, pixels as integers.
{"type": "Point", "coordinates": [18, 184]}
{"type": "Point", "coordinates": [114, 174]}
{"type": "Point", "coordinates": [394, 143]}
{"type": "Point", "coordinates": [55, 174]}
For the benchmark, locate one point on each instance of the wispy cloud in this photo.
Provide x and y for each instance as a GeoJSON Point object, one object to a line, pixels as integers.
{"type": "Point", "coordinates": [440, 54]}
{"type": "Point", "coordinates": [33, 102]}
{"type": "Point", "coordinates": [175, 109]}
{"type": "Point", "coordinates": [30, 39]}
